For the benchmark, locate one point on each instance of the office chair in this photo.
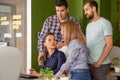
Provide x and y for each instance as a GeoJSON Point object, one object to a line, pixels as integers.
{"type": "Point", "coordinates": [115, 52]}
{"type": "Point", "coordinates": [10, 63]}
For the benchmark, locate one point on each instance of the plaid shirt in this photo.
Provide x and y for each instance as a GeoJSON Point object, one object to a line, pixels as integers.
{"type": "Point", "coordinates": [52, 25]}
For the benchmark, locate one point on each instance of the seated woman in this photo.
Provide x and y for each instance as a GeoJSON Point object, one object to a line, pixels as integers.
{"type": "Point", "coordinates": [53, 57]}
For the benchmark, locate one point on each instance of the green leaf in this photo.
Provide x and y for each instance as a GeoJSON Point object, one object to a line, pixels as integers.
{"type": "Point", "coordinates": [47, 72]}
{"type": "Point", "coordinates": [115, 62]}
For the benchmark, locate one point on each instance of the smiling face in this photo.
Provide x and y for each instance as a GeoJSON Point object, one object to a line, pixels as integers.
{"type": "Point", "coordinates": [50, 42]}
{"type": "Point", "coordinates": [88, 11]}
{"type": "Point", "coordinates": [61, 12]}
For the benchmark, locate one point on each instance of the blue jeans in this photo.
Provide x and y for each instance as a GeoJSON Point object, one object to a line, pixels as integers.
{"type": "Point", "coordinates": [80, 74]}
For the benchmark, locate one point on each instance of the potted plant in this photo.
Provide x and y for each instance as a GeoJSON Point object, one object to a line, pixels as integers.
{"type": "Point", "coordinates": [116, 64]}
{"type": "Point", "coordinates": [47, 73]}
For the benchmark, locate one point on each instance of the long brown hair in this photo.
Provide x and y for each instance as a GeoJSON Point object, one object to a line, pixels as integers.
{"type": "Point", "coordinates": [43, 58]}
{"type": "Point", "coordinates": [72, 31]}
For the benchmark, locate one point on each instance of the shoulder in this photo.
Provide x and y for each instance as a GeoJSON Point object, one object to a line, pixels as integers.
{"type": "Point", "coordinates": [74, 44]}
{"type": "Point", "coordinates": [75, 20]}
{"type": "Point", "coordinates": [74, 41]}
{"type": "Point", "coordinates": [53, 17]}
{"type": "Point", "coordinates": [106, 24]}
{"type": "Point", "coordinates": [59, 53]}
{"type": "Point", "coordinates": [72, 18]}
{"type": "Point", "coordinates": [105, 21]}
{"type": "Point", "coordinates": [101, 22]}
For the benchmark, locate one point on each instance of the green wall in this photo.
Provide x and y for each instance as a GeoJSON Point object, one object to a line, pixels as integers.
{"type": "Point", "coordinates": [104, 10]}
{"type": "Point", "coordinates": [41, 9]}
{"type": "Point", "coordinates": [76, 10]}
{"type": "Point", "coordinates": [115, 16]}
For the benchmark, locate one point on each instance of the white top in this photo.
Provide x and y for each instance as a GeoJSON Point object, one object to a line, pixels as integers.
{"type": "Point", "coordinates": [95, 33]}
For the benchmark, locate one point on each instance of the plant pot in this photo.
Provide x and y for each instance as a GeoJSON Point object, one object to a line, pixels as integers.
{"type": "Point", "coordinates": [46, 78]}
{"type": "Point", "coordinates": [64, 78]}
{"type": "Point", "coordinates": [54, 79]}
{"type": "Point", "coordinates": [117, 69]}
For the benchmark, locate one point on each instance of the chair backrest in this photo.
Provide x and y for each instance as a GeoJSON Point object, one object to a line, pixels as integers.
{"type": "Point", "coordinates": [10, 63]}
{"type": "Point", "coordinates": [115, 52]}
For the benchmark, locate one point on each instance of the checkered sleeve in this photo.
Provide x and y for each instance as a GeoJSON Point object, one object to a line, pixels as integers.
{"type": "Point", "coordinates": [76, 21]}
{"type": "Point", "coordinates": [42, 35]}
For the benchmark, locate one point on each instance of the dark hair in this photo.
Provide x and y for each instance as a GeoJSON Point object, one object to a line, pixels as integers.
{"type": "Point", "coordinates": [61, 3]}
{"type": "Point", "coordinates": [45, 49]}
{"type": "Point", "coordinates": [92, 4]}
{"type": "Point", "coordinates": [43, 58]}
{"type": "Point", "coordinates": [47, 34]}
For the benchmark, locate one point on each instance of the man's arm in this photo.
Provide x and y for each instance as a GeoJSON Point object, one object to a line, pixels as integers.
{"type": "Point", "coordinates": [42, 35]}
{"type": "Point", "coordinates": [40, 41]}
{"type": "Point", "coordinates": [107, 49]}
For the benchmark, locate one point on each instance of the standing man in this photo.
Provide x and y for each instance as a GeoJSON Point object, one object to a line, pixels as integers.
{"type": "Point", "coordinates": [99, 41]}
{"type": "Point", "coordinates": [52, 25]}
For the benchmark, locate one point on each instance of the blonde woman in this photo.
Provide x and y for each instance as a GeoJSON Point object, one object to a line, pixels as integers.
{"type": "Point", "coordinates": [77, 59]}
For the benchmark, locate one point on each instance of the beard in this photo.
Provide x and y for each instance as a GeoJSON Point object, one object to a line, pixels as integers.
{"type": "Point", "coordinates": [89, 17]}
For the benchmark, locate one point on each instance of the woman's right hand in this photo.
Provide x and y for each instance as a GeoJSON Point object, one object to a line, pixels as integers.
{"type": "Point", "coordinates": [34, 73]}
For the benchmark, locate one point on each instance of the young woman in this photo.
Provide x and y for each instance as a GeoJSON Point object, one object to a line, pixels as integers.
{"type": "Point", "coordinates": [77, 52]}
{"type": "Point", "coordinates": [53, 57]}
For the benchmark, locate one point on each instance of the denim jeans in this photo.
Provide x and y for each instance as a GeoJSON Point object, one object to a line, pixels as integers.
{"type": "Point", "coordinates": [80, 74]}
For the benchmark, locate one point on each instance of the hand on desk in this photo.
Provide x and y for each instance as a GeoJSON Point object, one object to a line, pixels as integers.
{"type": "Point", "coordinates": [34, 73]}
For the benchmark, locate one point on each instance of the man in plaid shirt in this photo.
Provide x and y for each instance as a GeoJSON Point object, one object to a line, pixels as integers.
{"type": "Point", "coordinates": [52, 25]}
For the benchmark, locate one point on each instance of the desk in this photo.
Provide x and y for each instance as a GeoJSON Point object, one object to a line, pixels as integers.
{"type": "Point", "coordinates": [38, 79]}
{"type": "Point", "coordinates": [113, 73]}
{"type": "Point", "coordinates": [43, 79]}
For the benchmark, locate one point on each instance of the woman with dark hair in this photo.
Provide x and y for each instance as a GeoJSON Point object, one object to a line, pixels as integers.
{"type": "Point", "coordinates": [53, 58]}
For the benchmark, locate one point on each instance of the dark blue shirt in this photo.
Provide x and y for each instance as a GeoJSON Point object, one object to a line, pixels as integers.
{"type": "Point", "coordinates": [55, 60]}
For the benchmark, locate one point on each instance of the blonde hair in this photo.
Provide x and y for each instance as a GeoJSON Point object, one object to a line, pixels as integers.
{"type": "Point", "coordinates": [72, 31]}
